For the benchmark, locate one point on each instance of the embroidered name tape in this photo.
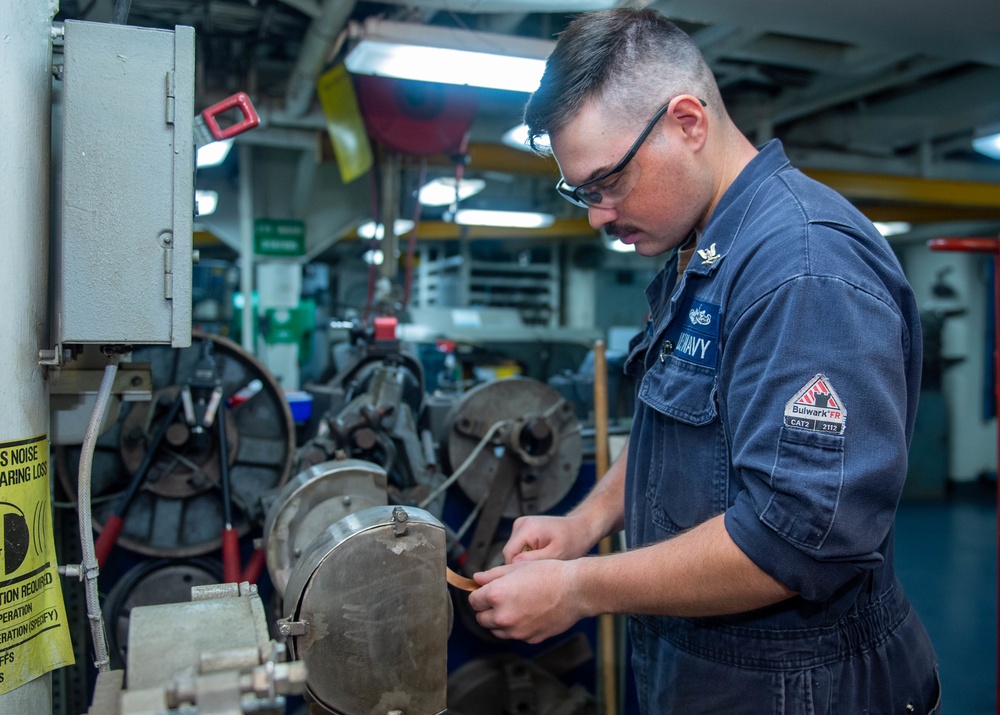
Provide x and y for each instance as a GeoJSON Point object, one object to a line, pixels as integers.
{"type": "Point", "coordinates": [816, 407]}
{"type": "Point", "coordinates": [694, 334]}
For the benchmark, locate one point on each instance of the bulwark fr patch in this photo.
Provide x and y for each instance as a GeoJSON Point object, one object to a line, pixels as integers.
{"type": "Point", "coordinates": [816, 407]}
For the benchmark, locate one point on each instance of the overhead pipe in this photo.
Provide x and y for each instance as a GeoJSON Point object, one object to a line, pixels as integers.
{"type": "Point", "coordinates": [317, 43]}
{"type": "Point", "coordinates": [325, 28]}
{"type": "Point", "coordinates": [484, 7]}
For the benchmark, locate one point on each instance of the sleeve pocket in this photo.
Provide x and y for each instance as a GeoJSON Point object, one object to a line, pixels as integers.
{"type": "Point", "coordinates": [805, 482]}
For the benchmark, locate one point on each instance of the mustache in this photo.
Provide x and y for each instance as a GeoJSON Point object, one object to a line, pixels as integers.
{"type": "Point", "coordinates": [618, 229]}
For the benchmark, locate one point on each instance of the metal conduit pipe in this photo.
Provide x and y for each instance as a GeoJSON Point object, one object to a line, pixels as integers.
{"type": "Point", "coordinates": [90, 569]}
{"type": "Point", "coordinates": [319, 38]}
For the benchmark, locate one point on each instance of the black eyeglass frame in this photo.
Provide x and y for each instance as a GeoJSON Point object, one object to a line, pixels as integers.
{"type": "Point", "coordinates": [576, 194]}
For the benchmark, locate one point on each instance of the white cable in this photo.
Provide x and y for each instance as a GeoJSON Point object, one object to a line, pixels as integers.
{"type": "Point", "coordinates": [102, 660]}
{"type": "Point", "coordinates": [479, 448]}
{"type": "Point", "coordinates": [468, 460]}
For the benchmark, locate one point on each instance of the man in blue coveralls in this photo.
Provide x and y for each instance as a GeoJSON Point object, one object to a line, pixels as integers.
{"type": "Point", "coordinates": [777, 387]}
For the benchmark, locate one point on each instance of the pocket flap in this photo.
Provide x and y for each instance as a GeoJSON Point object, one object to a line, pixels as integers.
{"type": "Point", "coordinates": [680, 390]}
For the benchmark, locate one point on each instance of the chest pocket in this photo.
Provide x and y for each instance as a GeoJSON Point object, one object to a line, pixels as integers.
{"type": "Point", "coordinates": [682, 451]}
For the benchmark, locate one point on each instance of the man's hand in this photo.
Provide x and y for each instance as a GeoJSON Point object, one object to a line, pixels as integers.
{"type": "Point", "coordinates": [536, 538]}
{"type": "Point", "coordinates": [529, 600]}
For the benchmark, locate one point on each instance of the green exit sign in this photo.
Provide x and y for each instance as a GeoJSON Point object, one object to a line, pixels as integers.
{"type": "Point", "coordinates": [279, 237]}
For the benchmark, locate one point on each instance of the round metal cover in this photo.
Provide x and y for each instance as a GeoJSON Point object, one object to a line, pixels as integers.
{"type": "Point", "coordinates": [310, 502]}
{"type": "Point", "coordinates": [371, 596]}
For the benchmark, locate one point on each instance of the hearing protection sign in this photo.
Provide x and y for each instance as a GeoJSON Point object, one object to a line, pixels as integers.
{"type": "Point", "coordinates": [34, 635]}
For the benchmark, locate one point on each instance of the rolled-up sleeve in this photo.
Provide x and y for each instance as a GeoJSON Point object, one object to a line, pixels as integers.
{"type": "Point", "coordinates": [819, 487]}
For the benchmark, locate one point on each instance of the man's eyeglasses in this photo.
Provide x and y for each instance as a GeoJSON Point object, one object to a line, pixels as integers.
{"type": "Point", "coordinates": [600, 191]}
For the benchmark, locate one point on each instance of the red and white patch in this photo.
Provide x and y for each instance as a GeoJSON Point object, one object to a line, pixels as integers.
{"type": "Point", "coordinates": [817, 408]}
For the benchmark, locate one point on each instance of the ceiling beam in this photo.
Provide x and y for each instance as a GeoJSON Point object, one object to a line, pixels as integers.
{"type": "Point", "coordinates": [566, 228]}
{"type": "Point", "coordinates": [909, 190]}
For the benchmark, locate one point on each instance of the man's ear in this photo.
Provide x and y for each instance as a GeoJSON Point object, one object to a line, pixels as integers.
{"type": "Point", "coordinates": [690, 114]}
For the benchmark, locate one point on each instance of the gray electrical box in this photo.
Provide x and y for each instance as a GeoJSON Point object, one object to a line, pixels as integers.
{"type": "Point", "coordinates": [123, 264]}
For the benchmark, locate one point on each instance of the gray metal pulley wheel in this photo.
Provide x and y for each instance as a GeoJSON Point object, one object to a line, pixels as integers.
{"type": "Point", "coordinates": [311, 501]}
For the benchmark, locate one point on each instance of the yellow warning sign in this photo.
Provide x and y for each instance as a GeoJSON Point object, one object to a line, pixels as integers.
{"type": "Point", "coordinates": [34, 635]}
{"type": "Point", "coordinates": [344, 123]}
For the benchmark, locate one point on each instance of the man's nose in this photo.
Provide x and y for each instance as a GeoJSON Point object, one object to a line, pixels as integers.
{"type": "Point", "coordinates": [600, 216]}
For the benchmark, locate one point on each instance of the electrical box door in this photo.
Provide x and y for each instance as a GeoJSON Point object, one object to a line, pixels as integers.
{"type": "Point", "coordinates": [123, 261]}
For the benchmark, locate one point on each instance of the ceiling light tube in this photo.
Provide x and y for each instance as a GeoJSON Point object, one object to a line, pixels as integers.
{"type": "Point", "coordinates": [441, 191]}
{"type": "Point", "coordinates": [988, 145]}
{"type": "Point", "coordinates": [369, 230]}
{"type": "Point", "coordinates": [517, 138]}
{"type": "Point", "coordinates": [206, 201]}
{"type": "Point", "coordinates": [892, 228]}
{"type": "Point", "coordinates": [214, 153]}
{"type": "Point", "coordinates": [446, 55]}
{"type": "Point", "coordinates": [504, 219]}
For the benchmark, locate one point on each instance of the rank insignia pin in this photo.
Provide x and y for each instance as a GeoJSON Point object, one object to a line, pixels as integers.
{"type": "Point", "coordinates": [708, 255]}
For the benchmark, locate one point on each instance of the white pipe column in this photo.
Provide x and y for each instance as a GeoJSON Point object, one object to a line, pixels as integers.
{"type": "Point", "coordinates": [25, 104]}
{"type": "Point", "coordinates": [246, 246]}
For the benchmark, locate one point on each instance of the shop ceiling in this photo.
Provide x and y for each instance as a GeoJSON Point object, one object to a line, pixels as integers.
{"type": "Point", "coordinates": [880, 99]}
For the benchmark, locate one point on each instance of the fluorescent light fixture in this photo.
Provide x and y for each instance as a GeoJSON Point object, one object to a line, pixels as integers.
{"type": "Point", "coordinates": [374, 258]}
{"type": "Point", "coordinates": [369, 230]}
{"type": "Point", "coordinates": [613, 243]}
{"type": "Point", "coordinates": [427, 53]}
{"type": "Point", "coordinates": [441, 191]}
{"type": "Point", "coordinates": [505, 219]}
{"type": "Point", "coordinates": [206, 201]}
{"type": "Point", "coordinates": [892, 228]}
{"type": "Point", "coordinates": [517, 138]}
{"type": "Point", "coordinates": [214, 154]}
{"type": "Point", "coordinates": [988, 145]}
{"type": "Point", "coordinates": [617, 246]}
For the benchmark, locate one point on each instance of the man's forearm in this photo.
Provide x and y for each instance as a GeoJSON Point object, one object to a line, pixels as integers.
{"type": "Point", "coordinates": [604, 508]}
{"type": "Point", "coordinates": [701, 572]}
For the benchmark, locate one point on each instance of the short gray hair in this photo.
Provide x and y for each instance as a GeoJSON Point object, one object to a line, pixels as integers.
{"type": "Point", "coordinates": [632, 58]}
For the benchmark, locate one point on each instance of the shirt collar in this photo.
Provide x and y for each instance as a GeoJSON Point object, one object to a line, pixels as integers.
{"type": "Point", "coordinates": [723, 225]}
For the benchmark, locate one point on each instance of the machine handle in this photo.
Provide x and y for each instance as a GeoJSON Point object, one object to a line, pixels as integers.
{"type": "Point", "coordinates": [254, 566]}
{"type": "Point", "coordinates": [241, 100]}
{"type": "Point", "coordinates": [230, 556]}
{"type": "Point", "coordinates": [107, 539]}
